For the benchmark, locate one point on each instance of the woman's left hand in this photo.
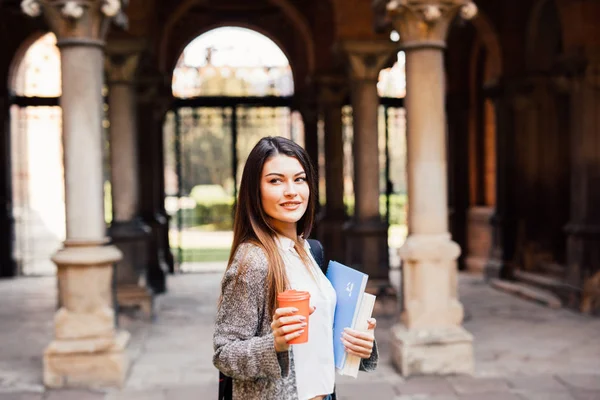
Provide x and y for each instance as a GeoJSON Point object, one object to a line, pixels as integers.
{"type": "Point", "coordinates": [360, 343]}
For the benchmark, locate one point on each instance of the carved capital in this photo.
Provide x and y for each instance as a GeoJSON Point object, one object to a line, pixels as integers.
{"type": "Point", "coordinates": [122, 60]}
{"type": "Point", "coordinates": [332, 90]}
{"type": "Point", "coordinates": [424, 23]}
{"type": "Point", "coordinates": [77, 22]}
{"type": "Point", "coordinates": [367, 57]}
{"type": "Point", "coordinates": [121, 68]}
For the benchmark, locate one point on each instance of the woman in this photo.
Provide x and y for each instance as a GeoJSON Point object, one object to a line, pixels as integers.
{"type": "Point", "coordinates": [275, 212]}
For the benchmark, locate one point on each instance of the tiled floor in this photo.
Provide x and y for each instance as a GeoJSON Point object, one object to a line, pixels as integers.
{"type": "Point", "coordinates": [523, 351]}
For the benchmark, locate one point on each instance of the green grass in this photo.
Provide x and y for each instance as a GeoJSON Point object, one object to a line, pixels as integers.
{"type": "Point", "coordinates": [202, 255]}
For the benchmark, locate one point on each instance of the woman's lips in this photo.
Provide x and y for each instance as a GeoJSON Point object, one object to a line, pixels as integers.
{"type": "Point", "coordinates": [291, 205]}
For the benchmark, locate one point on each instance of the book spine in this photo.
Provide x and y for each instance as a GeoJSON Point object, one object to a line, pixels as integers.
{"type": "Point", "coordinates": [352, 363]}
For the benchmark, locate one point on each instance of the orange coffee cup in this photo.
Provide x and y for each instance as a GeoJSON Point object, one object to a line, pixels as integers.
{"type": "Point", "coordinates": [301, 301]}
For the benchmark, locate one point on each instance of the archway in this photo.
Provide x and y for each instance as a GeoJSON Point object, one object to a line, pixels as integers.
{"type": "Point", "coordinates": [474, 68]}
{"type": "Point", "coordinates": [232, 86]}
{"type": "Point", "coordinates": [36, 157]}
{"type": "Point", "coordinates": [275, 18]}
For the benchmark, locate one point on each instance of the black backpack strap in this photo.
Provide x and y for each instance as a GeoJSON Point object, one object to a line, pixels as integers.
{"type": "Point", "coordinates": [225, 387]}
{"type": "Point", "coordinates": [316, 248]}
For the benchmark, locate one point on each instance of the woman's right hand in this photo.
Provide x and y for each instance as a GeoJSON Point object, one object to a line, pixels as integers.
{"type": "Point", "coordinates": [287, 326]}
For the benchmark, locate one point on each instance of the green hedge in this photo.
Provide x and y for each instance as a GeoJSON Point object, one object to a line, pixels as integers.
{"type": "Point", "coordinates": [213, 206]}
{"type": "Point", "coordinates": [218, 214]}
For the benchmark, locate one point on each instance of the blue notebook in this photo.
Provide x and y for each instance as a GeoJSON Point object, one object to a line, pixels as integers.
{"type": "Point", "coordinates": [349, 285]}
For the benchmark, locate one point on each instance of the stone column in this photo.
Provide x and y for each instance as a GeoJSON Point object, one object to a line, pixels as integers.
{"type": "Point", "coordinates": [8, 265]}
{"type": "Point", "coordinates": [154, 100]}
{"type": "Point", "coordinates": [127, 229]}
{"type": "Point", "coordinates": [503, 219]}
{"type": "Point", "coordinates": [87, 350]}
{"type": "Point", "coordinates": [430, 338]}
{"type": "Point", "coordinates": [366, 234]}
{"type": "Point", "coordinates": [310, 118]}
{"type": "Point", "coordinates": [583, 229]}
{"type": "Point", "coordinates": [332, 91]}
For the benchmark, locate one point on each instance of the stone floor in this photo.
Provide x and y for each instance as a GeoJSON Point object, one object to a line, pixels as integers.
{"type": "Point", "coordinates": [523, 351]}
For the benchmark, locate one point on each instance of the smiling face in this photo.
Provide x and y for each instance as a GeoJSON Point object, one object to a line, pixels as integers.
{"type": "Point", "coordinates": [284, 192]}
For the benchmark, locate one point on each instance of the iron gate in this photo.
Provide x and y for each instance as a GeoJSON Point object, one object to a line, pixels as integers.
{"type": "Point", "coordinates": [392, 159]}
{"type": "Point", "coordinates": [207, 142]}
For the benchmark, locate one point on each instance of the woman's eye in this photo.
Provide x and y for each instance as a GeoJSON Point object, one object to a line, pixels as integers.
{"type": "Point", "coordinates": [302, 179]}
{"type": "Point", "coordinates": [275, 180]}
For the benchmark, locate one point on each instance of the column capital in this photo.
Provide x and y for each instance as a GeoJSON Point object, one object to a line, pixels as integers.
{"type": "Point", "coordinates": [154, 91]}
{"type": "Point", "coordinates": [77, 22]}
{"type": "Point", "coordinates": [122, 60]}
{"type": "Point", "coordinates": [573, 72]}
{"type": "Point", "coordinates": [367, 57]}
{"type": "Point", "coordinates": [332, 90]}
{"type": "Point", "coordinates": [424, 23]}
{"type": "Point", "coordinates": [305, 101]}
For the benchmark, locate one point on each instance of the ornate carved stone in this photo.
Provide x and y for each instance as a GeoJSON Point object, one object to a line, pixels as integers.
{"type": "Point", "coordinates": [122, 60]}
{"type": "Point", "coordinates": [72, 10]}
{"type": "Point", "coordinates": [77, 21]}
{"type": "Point", "coordinates": [31, 8]}
{"type": "Point", "coordinates": [331, 90]}
{"type": "Point", "coordinates": [367, 57]}
{"type": "Point", "coordinates": [425, 22]}
{"type": "Point", "coordinates": [121, 68]}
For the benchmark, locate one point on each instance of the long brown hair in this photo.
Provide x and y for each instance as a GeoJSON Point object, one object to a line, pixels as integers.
{"type": "Point", "coordinates": [251, 223]}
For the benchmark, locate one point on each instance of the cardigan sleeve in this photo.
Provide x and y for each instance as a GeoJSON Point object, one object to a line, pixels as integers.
{"type": "Point", "coordinates": [239, 350]}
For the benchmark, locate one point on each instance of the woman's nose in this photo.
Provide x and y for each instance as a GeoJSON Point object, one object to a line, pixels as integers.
{"type": "Point", "coordinates": [290, 190]}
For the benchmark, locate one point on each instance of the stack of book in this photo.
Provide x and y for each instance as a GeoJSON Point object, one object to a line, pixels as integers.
{"type": "Point", "coordinates": [353, 308]}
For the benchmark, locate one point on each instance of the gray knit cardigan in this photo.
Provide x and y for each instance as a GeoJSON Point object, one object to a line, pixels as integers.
{"type": "Point", "coordinates": [243, 341]}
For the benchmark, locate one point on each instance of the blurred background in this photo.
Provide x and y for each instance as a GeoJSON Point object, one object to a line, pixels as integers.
{"type": "Point", "coordinates": [433, 125]}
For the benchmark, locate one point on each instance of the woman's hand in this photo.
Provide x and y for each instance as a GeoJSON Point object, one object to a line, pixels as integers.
{"type": "Point", "coordinates": [360, 343]}
{"type": "Point", "coordinates": [287, 326]}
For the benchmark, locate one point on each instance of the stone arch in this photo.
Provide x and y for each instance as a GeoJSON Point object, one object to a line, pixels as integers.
{"type": "Point", "coordinates": [18, 57]}
{"type": "Point", "coordinates": [37, 178]}
{"type": "Point", "coordinates": [579, 28]}
{"type": "Point", "coordinates": [485, 69]}
{"type": "Point", "coordinates": [298, 22]}
{"type": "Point", "coordinates": [476, 62]}
{"type": "Point", "coordinates": [252, 27]}
{"type": "Point", "coordinates": [303, 28]}
{"type": "Point", "coordinates": [488, 36]}
{"type": "Point", "coordinates": [544, 36]}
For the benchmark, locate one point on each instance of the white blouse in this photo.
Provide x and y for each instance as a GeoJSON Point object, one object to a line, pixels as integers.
{"type": "Point", "coordinates": [313, 361]}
